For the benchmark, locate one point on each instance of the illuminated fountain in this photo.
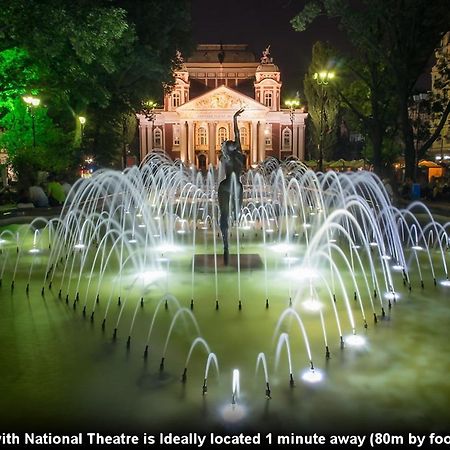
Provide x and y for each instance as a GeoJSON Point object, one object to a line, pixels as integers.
{"type": "Point", "coordinates": [319, 261]}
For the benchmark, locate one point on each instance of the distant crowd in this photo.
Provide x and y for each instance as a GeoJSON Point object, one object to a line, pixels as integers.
{"type": "Point", "coordinates": [52, 192]}
{"type": "Point", "coordinates": [437, 188]}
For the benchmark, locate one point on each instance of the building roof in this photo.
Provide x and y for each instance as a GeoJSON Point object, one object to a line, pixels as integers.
{"type": "Point", "coordinates": [232, 53]}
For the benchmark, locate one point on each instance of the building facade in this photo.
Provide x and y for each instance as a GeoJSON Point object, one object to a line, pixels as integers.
{"type": "Point", "coordinates": [210, 86]}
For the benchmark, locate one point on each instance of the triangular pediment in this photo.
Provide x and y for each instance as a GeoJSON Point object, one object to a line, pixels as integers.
{"type": "Point", "coordinates": [222, 98]}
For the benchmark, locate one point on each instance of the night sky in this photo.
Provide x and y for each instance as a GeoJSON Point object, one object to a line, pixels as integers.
{"type": "Point", "coordinates": [259, 24]}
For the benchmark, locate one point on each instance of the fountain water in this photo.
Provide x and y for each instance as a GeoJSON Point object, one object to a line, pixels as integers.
{"type": "Point", "coordinates": [335, 252]}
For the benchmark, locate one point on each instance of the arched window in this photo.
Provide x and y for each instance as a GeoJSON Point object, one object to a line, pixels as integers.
{"type": "Point", "coordinates": [157, 138]}
{"type": "Point", "coordinates": [202, 137]}
{"type": "Point", "coordinates": [176, 99]}
{"type": "Point", "coordinates": [176, 135]}
{"type": "Point", "coordinates": [268, 136]}
{"type": "Point", "coordinates": [286, 139]}
{"type": "Point", "coordinates": [222, 135]}
{"type": "Point", "coordinates": [268, 99]}
{"type": "Point", "coordinates": [244, 137]}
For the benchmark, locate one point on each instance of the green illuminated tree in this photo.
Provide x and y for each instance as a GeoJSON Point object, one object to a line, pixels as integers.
{"type": "Point", "coordinates": [53, 150]}
{"type": "Point", "coordinates": [100, 59]}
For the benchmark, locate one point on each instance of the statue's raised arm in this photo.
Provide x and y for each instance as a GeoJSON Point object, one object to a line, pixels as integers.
{"type": "Point", "coordinates": [237, 135]}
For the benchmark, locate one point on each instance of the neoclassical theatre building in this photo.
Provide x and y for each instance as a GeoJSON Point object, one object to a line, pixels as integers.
{"type": "Point", "coordinates": [210, 86]}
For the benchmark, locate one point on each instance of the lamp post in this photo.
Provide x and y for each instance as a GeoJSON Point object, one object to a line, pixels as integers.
{"type": "Point", "coordinates": [149, 112]}
{"type": "Point", "coordinates": [82, 120]}
{"type": "Point", "coordinates": [419, 100]}
{"type": "Point", "coordinates": [32, 102]}
{"type": "Point", "coordinates": [322, 79]}
{"type": "Point", "coordinates": [292, 104]}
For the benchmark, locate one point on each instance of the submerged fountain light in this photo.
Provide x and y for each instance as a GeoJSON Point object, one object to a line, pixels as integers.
{"type": "Point", "coordinates": [312, 376]}
{"type": "Point", "coordinates": [34, 250]}
{"type": "Point", "coordinates": [392, 295]}
{"type": "Point", "coordinates": [355, 340]}
{"type": "Point", "coordinates": [417, 247]}
{"type": "Point", "coordinates": [132, 241]}
{"type": "Point", "coordinates": [312, 305]}
{"type": "Point", "coordinates": [150, 276]}
{"type": "Point", "coordinates": [445, 283]}
{"type": "Point", "coordinates": [290, 259]}
{"type": "Point", "coordinates": [233, 413]}
{"type": "Point", "coordinates": [397, 267]}
{"type": "Point", "coordinates": [386, 257]}
{"type": "Point", "coordinates": [163, 260]}
{"type": "Point", "coordinates": [303, 273]}
{"type": "Point", "coordinates": [79, 246]}
{"type": "Point", "coordinates": [168, 248]}
{"type": "Point", "coordinates": [283, 248]}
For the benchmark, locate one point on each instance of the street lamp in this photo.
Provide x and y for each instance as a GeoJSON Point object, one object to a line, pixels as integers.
{"type": "Point", "coordinates": [82, 120]}
{"type": "Point", "coordinates": [322, 79]}
{"type": "Point", "coordinates": [32, 102]}
{"type": "Point", "coordinates": [292, 104]}
{"type": "Point", "coordinates": [149, 113]}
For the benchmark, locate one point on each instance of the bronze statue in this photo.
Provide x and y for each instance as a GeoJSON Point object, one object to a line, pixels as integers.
{"type": "Point", "coordinates": [233, 159]}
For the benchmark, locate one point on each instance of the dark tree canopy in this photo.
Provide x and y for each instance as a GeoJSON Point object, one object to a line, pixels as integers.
{"type": "Point", "coordinates": [397, 37]}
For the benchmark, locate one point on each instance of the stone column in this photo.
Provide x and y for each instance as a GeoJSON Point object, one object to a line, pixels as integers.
{"type": "Point", "coordinates": [261, 140]}
{"type": "Point", "coordinates": [295, 138]}
{"type": "Point", "coordinates": [191, 156]}
{"type": "Point", "coordinates": [254, 143]}
{"type": "Point", "coordinates": [212, 143]}
{"type": "Point", "coordinates": [143, 141]}
{"type": "Point", "coordinates": [183, 142]}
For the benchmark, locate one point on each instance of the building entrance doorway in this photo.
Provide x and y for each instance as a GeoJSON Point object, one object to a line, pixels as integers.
{"type": "Point", "coordinates": [201, 162]}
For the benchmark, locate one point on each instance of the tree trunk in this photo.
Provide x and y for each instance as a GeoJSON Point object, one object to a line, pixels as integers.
{"type": "Point", "coordinates": [376, 137]}
{"type": "Point", "coordinates": [124, 142]}
{"type": "Point", "coordinates": [408, 141]}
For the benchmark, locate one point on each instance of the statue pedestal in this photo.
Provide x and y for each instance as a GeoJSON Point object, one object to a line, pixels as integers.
{"type": "Point", "coordinates": [205, 263]}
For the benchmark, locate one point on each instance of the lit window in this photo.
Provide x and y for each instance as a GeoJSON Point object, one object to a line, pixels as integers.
{"type": "Point", "coordinates": [176, 135]}
{"type": "Point", "coordinates": [201, 137]}
{"type": "Point", "coordinates": [222, 135]}
{"type": "Point", "coordinates": [176, 99]}
{"type": "Point", "coordinates": [268, 99]}
{"type": "Point", "coordinates": [268, 136]}
{"type": "Point", "coordinates": [244, 137]}
{"type": "Point", "coordinates": [286, 139]}
{"type": "Point", "coordinates": [157, 138]}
